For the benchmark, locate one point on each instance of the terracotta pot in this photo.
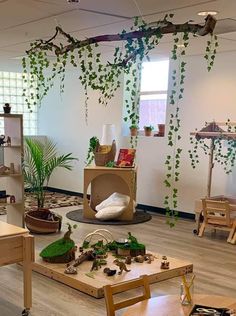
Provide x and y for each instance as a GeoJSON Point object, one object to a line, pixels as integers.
{"type": "Point", "coordinates": [147, 132]}
{"type": "Point", "coordinates": [161, 129]}
{"type": "Point", "coordinates": [42, 221]}
{"type": "Point", "coordinates": [133, 131]}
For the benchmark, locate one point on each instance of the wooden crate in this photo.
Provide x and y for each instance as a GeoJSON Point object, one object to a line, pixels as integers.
{"type": "Point", "coordinates": [94, 286]}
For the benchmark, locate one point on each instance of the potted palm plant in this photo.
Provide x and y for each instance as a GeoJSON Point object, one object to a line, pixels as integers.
{"type": "Point", "coordinates": [40, 161]}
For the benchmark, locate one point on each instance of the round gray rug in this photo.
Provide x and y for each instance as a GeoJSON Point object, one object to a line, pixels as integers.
{"type": "Point", "coordinates": [139, 217]}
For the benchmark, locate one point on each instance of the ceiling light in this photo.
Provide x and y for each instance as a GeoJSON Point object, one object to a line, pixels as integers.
{"type": "Point", "coordinates": [73, 1]}
{"type": "Point", "coordinates": [205, 13]}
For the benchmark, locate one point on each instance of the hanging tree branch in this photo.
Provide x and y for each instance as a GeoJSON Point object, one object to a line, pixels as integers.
{"type": "Point", "coordinates": [105, 78]}
{"type": "Point", "coordinates": [168, 28]}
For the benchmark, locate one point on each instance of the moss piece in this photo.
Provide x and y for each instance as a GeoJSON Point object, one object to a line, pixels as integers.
{"type": "Point", "coordinates": [57, 248]}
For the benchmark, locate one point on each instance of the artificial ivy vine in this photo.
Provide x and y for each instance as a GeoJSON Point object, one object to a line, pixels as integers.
{"type": "Point", "coordinates": [211, 51]}
{"type": "Point", "coordinates": [105, 77]}
{"type": "Point", "coordinates": [173, 160]}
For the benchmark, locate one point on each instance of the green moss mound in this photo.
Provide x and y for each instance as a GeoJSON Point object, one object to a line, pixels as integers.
{"type": "Point", "coordinates": [57, 248]}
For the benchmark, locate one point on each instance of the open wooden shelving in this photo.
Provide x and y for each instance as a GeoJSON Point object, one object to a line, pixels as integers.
{"type": "Point", "coordinates": [13, 183]}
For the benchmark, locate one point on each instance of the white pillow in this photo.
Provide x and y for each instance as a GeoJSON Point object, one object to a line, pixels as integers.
{"type": "Point", "coordinates": [115, 199]}
{"type": "Point", "coordinates": [110, 212]}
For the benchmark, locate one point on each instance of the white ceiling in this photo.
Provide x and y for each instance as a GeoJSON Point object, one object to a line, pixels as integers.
{"type": "Point", "coordinates": [22, 21]}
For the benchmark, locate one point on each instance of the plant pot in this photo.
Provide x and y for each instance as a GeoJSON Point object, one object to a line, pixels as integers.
{"type": "Point", "coordinates": [148, 132]}
{"type": "Point", "coordinates": [7, 109]}
{"type": "Point", "coordinates": [130, 252]}
{"type": "Point", "coordinates": [133, 131]}
{"type": "Point", "coordinates": [42, 221]}
{"type": "Point", "coordinates": [161, 129]}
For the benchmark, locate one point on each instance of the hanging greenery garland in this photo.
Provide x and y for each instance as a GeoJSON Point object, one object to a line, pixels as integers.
{"type": "Point", "coordinates": [105, 77]}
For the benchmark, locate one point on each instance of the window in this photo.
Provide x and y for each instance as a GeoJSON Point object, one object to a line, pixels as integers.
{"type": "Point", "coordinates": [153, 98]}
{"type": "Point", "coordinates": [11, 90]}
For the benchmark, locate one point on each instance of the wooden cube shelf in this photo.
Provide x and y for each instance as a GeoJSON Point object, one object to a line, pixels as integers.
{"type": "Point", "coordinates": [105, 181]}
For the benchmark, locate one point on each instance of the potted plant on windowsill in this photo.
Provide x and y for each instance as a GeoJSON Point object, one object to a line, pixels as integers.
{"type": "Point", "coordinates": [133, 130]}
{"type": "Point", "coordinates": [40, 160]}
{"type": "Point", "coordinates": [7, 108]}
{"type": "Point", "coordinates": [148, 130]}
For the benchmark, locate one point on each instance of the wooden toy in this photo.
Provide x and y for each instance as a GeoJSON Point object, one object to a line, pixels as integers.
{"type": "Point", "coordinates": [121, 265]}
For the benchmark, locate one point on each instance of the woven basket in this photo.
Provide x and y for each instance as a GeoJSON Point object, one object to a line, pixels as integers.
{"type": "Point", "coordinates": [102, 159]}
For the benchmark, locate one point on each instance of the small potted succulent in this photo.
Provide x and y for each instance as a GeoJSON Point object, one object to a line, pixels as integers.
{"type": "Point", "coordinates": [7, 108]}
{"type": "Point", "coordinates": [133, 130]}
{"type": "Point", "coordinates": [148, 130]}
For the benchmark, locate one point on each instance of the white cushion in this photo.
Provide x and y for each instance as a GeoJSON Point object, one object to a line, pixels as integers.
{"type": "Point", "coordinates": [115, 199]}
{"type": "Point", "coordinates": [110, 212]}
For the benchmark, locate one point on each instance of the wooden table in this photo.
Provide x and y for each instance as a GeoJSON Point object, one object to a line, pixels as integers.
{"type": "Point", "coordinates": [16, 246]}
{"type": "Point", "coordinates": [170, 305]}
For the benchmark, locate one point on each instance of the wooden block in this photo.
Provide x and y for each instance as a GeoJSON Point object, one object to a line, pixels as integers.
{"type": "Point", "coordinates": [94, 286]}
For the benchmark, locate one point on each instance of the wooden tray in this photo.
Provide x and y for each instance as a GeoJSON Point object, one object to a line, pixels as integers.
{"type": "Point", "coordinates": [94, 286]}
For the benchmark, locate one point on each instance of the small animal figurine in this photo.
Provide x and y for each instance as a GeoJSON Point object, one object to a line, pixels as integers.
{"type": "Point", "coordinates": [165, 264]}
{"type": "Point", "coordinates": [70, 270]}
{"type": "Point", "coordinates": [96, 265]}
{"type": "Point", "coordinates": [139, 259]}
{"type": "Point", "coordinates": [109, 272]}
{"type": "Point", "coordinates": [121, 265]}
{"type": "Point", "coordinates": [128, 260]}
{"type": "Point", "coordinates": [149, 257]}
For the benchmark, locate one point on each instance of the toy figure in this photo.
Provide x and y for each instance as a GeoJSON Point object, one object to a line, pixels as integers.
{"type": "Point", "coordinates": [128, 260]}
{"type": "Point", "coordinates": [165, 264]}
{"type": "Point", "coordinates": [109, 272]}
{"type": "Point", "coordinates": [121, 266]}
{"type": "Point", "coordinates": [139, 259]}
{"type": "Point", "coordinates": [149, 257]}
{"type": "Point", "coordinates": [96, 265]}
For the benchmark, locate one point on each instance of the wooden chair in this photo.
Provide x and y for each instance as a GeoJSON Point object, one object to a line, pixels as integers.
{"type": "Point", "coordinates": [217, 216]}
{"type": "Point", "coordinates": [109, 290]}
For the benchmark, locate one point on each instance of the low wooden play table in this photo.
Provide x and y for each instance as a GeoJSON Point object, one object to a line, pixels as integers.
{"type": "Point", "coordinates": [17, 246]}
{"type": "Point", "coordinates": [94, 285]}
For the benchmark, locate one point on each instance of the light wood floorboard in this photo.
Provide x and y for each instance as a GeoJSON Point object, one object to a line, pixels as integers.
{"type": "Point", "coordinates": [213, 258]}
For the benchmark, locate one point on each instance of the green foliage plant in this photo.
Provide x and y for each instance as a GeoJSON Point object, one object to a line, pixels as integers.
{"type": "Point", "coordinates": [149, 128]}
{"type": "Point", "coordinates": [133, 126]}
{"type": "Point", "coordinates": [93, 144]}
{"type": "Point", "coordinates": [40, 161]}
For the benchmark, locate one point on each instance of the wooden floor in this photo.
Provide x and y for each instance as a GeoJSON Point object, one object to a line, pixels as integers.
{"type": "Point", "coordinates": [214, 265]}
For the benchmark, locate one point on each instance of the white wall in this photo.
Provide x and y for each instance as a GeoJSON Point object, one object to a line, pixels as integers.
{"type": "Point", "coordinates": [207, 96]}
{"type": "Point", "coordinates": [63, 119]}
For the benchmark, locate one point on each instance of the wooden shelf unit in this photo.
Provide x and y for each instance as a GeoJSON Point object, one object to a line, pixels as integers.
{"type": "Point", "coordinates": [13, 183]}
{"type": "Point", "coordinates": [105, 181]}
